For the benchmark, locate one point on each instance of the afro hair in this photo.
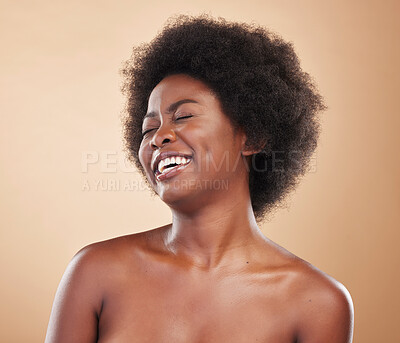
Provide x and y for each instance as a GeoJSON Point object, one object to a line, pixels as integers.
{"type": "Point", "coordinates": [259, 82]}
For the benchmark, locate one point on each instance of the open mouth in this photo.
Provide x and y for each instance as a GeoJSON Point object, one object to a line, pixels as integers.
{"type": "Point", "coordinates": [166, 165]}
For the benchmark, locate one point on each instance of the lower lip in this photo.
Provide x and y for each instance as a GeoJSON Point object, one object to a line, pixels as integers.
{"type": "Point", "coordinates": [172, 172]}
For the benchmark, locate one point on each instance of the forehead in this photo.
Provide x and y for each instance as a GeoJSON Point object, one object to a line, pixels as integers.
{"type": "Point", "coordinates": [176, 87]}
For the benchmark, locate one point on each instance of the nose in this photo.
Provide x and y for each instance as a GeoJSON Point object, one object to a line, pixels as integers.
{"type": "Point", "coordinates": [164, 134]}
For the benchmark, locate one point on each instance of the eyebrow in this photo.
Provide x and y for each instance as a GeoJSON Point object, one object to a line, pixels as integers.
{"type": "Point", "coordinates": [171, 108]}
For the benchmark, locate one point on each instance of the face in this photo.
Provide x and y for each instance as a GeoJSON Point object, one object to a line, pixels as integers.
{"type": "Point", "coordinates": [189, 146]}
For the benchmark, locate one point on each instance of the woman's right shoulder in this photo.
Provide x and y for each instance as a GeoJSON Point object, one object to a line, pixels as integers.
{"type": "Point", "coordinates": [107, 252]}
{"type": "Point", "coordinates": [117, 254]}
{"type": "Point", "coordinates": [92, 274]}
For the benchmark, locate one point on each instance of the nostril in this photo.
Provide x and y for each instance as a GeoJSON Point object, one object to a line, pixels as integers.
{"type": "Point", "coordinates": [165, 140]}
{"type": "Point", "coordinates": [162, 137]}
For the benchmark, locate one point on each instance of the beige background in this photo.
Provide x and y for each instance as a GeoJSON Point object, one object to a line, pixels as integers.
{"type": "Point", "coordinates": [60, 134]}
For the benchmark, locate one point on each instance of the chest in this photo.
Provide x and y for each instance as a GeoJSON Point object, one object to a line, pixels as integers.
{"type": "Point", "coordinates": [196, 311]}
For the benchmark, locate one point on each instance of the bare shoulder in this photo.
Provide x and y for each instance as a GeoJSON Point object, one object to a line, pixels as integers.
{"type": "Point", "coordinates": [117, 254]}
{"type": "Point", "coordinates": [92, 273]}
{"type": "Point", "coordinates": [103, 266]}
{"type": "Point", "coordinates": [322, 305]}
{"type": "Point", "coordinates": [92, 266]}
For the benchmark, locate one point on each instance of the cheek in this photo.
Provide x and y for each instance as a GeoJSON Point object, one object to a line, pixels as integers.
{"type": "Point", "coordinates": [143, 156]}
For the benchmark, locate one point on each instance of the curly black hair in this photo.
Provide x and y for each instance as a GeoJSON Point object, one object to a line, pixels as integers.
{"type": "Point", "coordinates": [259, 82]}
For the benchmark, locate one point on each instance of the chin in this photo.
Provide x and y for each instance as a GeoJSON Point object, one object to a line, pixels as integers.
{"type": "Point", "coordinates": [180, 194]}
{"type": "Point", "coordinates": [172, 192]}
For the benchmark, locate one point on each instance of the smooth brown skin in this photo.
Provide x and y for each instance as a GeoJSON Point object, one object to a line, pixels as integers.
{"type": "Point", "coordinates": [211, 275]}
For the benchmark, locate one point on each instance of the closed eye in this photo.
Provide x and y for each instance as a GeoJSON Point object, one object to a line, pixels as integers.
{"type": "Point", "coordinates": [147, 131]}
{"type": "Point", "coordinates": [178, 118]}
{"type": "Point", "coordinates": [184, 117]}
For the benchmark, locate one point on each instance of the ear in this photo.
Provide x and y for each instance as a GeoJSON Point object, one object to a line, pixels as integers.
{"type": "Point", "coordinates": [248, 150]}
{"type": "Point", "coordinates": [251, 151]}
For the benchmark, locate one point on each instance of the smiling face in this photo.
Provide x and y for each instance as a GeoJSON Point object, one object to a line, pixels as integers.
{"type": "Point", "coordinates": [188, 143]}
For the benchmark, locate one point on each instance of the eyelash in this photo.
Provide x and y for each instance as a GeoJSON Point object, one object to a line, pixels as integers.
{"type": "Point", "coordinates": [182, 117]}
{"type": "Point", "coordinates": [147, 131]}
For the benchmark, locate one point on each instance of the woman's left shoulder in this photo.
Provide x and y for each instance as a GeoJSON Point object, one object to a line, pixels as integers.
{"type": "Point", "coordinates": [323, 305]}
{"type": "Point", "coordinates": [309, 277]}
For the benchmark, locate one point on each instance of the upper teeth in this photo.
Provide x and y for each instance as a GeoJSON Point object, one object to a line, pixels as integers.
{"type": "Point", "coordinates": [172, 160]}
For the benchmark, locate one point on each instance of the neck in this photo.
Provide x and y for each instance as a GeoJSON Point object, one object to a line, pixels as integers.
{"type": "Point", "coordinates": [218, 231]}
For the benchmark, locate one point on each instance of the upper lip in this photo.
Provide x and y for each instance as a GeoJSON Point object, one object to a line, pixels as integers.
{"type": "Point", "coordinates": [158, 157]}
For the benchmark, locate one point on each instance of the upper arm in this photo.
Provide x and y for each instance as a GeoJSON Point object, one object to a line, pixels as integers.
{"type": "Point", "coordinates": [327, 315]}
{"type": "Point", "coordinates": [74, 316]}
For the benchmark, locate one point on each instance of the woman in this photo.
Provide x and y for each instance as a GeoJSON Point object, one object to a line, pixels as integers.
{"type": "Point", "coordinates": [221, 122]}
